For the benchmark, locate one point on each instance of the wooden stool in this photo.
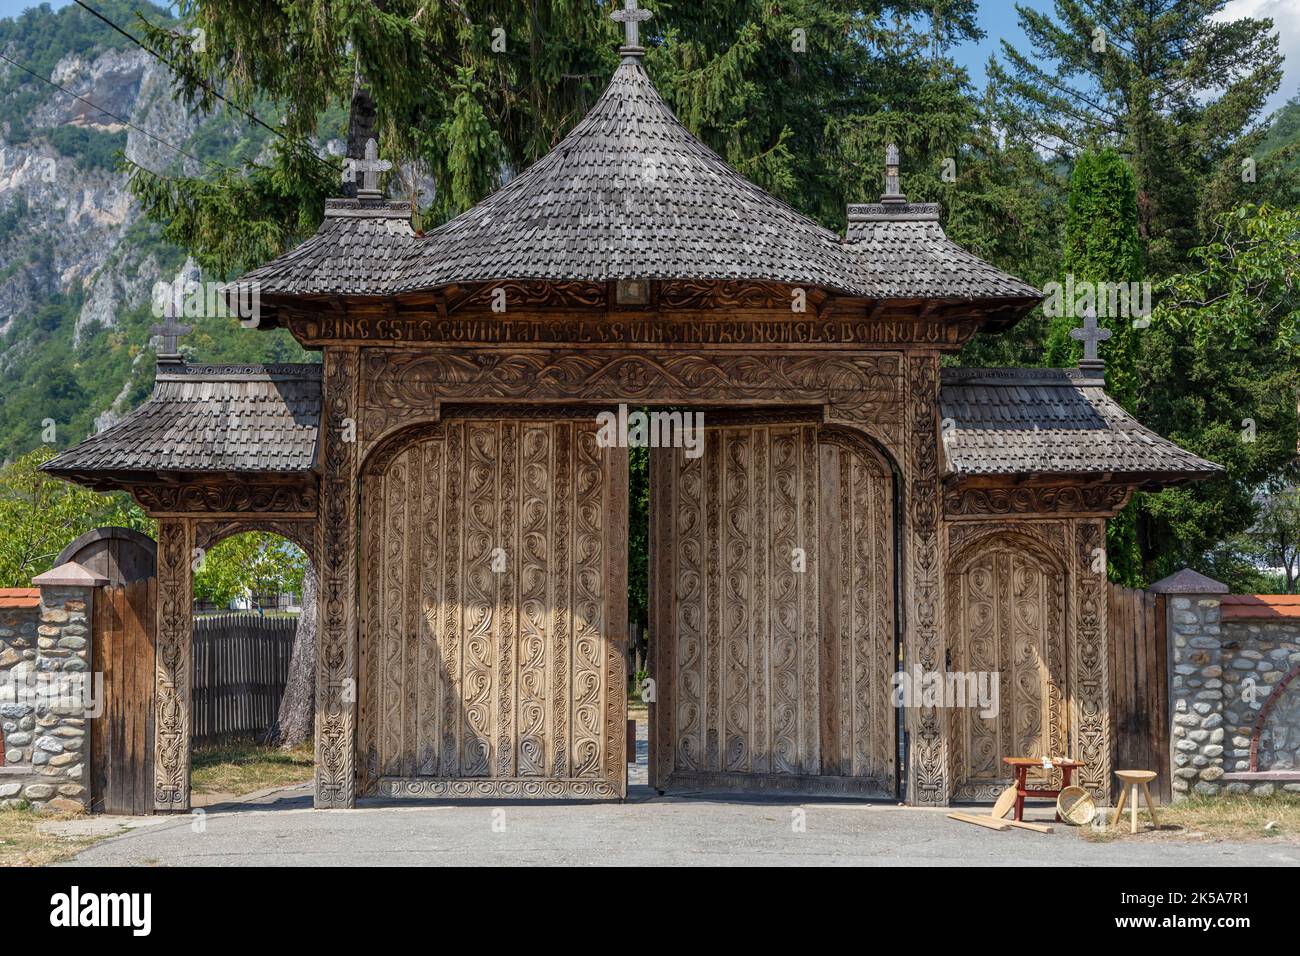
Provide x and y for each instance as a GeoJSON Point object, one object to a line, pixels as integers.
{"type": "Point", "coordinates": [1135, 779]}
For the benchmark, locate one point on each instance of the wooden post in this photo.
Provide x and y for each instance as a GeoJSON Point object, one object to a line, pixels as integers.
{"type": "Point", "coordinates": [336, 550]}
{"type": "Point", "coordinates": [928, 779]}
{"type": "Point", "coordinates": [172, 669]}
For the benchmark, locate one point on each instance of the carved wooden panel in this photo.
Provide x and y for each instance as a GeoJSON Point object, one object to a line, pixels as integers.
{"type": "Point", "coordinates": [172, 666]}
{"type": "Point", "coordinates": [336, 531]}
{"type": "Point", "coordinates": [774, 633]}
{"type": "Point", "coordinates": [1089, 687]}
{"type": "Point", "coordinates": [865, 390]}
{"type": "Point", "coordinates": [928, 779]}
{"type": "Point", "coordinates": [494, 602]}
{"type": "Point", "coordinates": [1006, 622]}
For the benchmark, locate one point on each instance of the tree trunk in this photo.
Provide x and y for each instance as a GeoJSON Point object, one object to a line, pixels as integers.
{"type": "Point", "coordinates": [294, 723]}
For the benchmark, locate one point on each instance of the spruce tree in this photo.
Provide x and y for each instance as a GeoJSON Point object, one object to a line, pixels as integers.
{"type": "Point", "coordinates": [1178, 91]}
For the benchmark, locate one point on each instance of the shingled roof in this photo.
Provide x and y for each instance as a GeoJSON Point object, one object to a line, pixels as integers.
{"type": "Point", "coordinates": [630, 193]}
{"type": "Point", "coordinates": [356, 251]}
{"type": "Point", "coordinates": [248, 419]}
{"type": "Point", "coordinates": [901, 252]}
{"type": "Point", "coordinates": [1020, 421]}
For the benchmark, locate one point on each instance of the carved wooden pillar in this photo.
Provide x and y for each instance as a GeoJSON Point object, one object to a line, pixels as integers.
{"type": "Point", "coordinates": [1089, 681]}
{"type": "Point", "coordinates": [336, 548]}
{"type": "Point", "coordinates": [928, 782]}
{"type": "Point", "coordinates": [172, 674]}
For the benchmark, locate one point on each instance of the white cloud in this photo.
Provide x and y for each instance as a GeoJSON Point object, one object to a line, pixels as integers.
{"type": "Point", "coordinates": [1285, 15]}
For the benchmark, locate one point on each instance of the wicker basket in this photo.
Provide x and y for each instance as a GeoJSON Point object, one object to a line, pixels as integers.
{"type": "Point", "coordinates": [1076, 806]}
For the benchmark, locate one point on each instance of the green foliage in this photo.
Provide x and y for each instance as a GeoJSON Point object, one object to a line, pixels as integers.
{"type": "Point", "coordinates": [92, 148]}
{"type": "Point", "coordinates": [249, 564]}
{"type": "Point", "coordinates": [638, 535]}
{"type": "Point", "coordinates": [1176, 90]}
{"type": "Point", "coordinates": [1101, 245]}
{"type": "Point", "coordinates": [40, 515]}
{"type": "Point", "coordinates": [1219, 376]}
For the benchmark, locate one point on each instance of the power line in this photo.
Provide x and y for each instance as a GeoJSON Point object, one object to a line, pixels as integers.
{"type": "Point", "coordinates": [154, 53]}
{"type": "Point", "coordinates": [179, 72]}
{"type": "Point", "coordinates": [123, 120]}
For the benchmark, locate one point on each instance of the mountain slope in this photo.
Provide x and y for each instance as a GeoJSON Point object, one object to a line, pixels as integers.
{"type": "Point", "coordinates": [77, 262]}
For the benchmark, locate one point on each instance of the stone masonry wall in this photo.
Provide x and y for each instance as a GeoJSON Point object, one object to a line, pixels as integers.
{"type": "Point", "coordinates": [1257, 655]}
{"type": "Point", "coordinates": [1228, 654]}
{"type": "Point", "coordinates": [1196, 693]}
{"type": "Point", "coordinates": [46, 664]}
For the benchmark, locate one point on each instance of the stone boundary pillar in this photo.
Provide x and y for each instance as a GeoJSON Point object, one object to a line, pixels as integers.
{"type": "Point", "coordinates": [65, 689]}
{"type": "Point", "coordinates": [1195, 681]}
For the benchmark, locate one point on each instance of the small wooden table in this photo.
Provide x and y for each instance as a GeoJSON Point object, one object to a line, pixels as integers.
{"type": "Point", "coordinates": [1022, 766]}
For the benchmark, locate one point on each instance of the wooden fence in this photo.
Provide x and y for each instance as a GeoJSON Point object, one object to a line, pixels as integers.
{"type": "Point", "coordinates": [1139, 693]}
{"type": "Point", "coordinates": [241, 662]}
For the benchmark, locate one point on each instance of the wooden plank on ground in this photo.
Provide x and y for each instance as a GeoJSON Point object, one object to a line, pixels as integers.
{"type": "Point", "coordinates": [979, 821]}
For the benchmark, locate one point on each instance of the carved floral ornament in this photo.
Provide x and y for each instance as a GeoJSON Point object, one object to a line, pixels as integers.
{"type": "Point", "coordinates": [979, 502]}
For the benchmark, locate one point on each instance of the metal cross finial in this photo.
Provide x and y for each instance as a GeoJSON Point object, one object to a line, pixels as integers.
{"type": "Point", "coordinates": [1090, 335]}
{"type": "Point", "coordinates": [370, 167]}
{"type": "Point", "coordinates": [631, 19]}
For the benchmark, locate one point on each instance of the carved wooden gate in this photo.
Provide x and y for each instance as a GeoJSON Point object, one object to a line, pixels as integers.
{"type": "Point", "coordinates": [494, 603]}
{"type": "Point", "coordinates": [772, 597]}
{"type": "Point", "coordinates": [1006, 619]}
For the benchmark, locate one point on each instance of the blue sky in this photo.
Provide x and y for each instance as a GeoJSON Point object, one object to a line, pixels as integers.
{"type": "Point", "coordinates": [998, 20]}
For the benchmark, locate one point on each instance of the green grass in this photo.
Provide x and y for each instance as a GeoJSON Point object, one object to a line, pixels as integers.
{"type": "Point", "coordinates": [243, 766]}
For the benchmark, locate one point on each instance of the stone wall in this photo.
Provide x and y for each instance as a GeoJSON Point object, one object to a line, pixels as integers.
{"type": "Point", "coordinates": [1229, 654]}
{"type": "Point", "coordinates": [46, 692]}
{"type": "Point", "coordinates": [1195, 693]}
{"type": "Point", "coordinates": [1258, 655]}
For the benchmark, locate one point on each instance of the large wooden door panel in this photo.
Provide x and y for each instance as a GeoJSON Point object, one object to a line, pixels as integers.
{"type": "Point", "coordinates": [773, 604]}
{"type": "Point", "coordinates": [1006, 602]}
{"type": "Point", "coordinates": [494, 596]}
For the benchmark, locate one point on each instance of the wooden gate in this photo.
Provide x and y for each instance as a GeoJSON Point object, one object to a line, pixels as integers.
{"type": "Point", "coordinates": [1006, 620]}
{"type": "Point", "coordinates": [494, 597]}
{"type": "Point", "coordinates": [1139, 669]}
{"type": "Point", "coordinates": [121, 737]}
{"type": "Point", "coordinates": [772, 597]}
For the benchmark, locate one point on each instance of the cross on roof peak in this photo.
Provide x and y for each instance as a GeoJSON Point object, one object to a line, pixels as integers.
{"type": "Point", "coordinates": [1090, 335]}
{"type": "Point", "coordinates": [170, 330]}
{"type": "Point", "coordinates": [893, 191]}
{"type": "Point", "coordinates": [630, 16]}
{"type": "Point", "coordinates": [369, 167]}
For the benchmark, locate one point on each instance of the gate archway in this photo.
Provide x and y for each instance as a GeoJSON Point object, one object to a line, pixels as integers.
{"type": "Point", "coordinates": [774, 612]}
{"type": "Point", "coordinates": [493, 596]}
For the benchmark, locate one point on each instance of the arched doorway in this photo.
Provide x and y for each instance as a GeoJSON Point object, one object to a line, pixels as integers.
{"type": "Point", "coordinates": [493, 607]}
{"type": "Point", "coordinates": [774, 625]}
{"type": "Point", "coordinates": [1006, 622]}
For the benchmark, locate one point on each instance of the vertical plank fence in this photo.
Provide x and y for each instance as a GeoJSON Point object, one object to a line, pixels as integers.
{"type": "Point", "coordinates": [121, 737]}
{"type": "Point", "coordinates": [1139, 679]}
{"type": "Point", "coordinates": [241, 662]}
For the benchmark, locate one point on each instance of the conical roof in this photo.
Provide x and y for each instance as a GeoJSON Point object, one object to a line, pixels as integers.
{"type": "Point", "coordinates": [629, 193]}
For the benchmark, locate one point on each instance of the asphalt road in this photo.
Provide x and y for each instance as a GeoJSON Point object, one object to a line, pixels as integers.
{"type": "Point", "coordinates": [282, 829]}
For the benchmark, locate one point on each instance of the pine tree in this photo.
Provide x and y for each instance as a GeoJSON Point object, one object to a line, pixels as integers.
{"type": "Point", "coordinates": [1176, 90]}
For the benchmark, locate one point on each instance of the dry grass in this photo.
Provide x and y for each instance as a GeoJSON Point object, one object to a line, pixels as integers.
{"type": "Point", "coordinates": [237, 767]}
{"type": "Point", "coordinates": [22, 843]}
{"type": "Point", "coordinates": [1214, 818]}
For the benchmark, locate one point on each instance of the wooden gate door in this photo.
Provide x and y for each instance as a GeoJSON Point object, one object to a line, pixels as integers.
{"type": "Point", "coordinates": [1139, 700]}
{"type": "Point", "coordinates": [121, 737]}
{"type": "Point", "coordinates": [1006, 607]}
{"type": "Point", "coordinates": [494, 593]}
{"type": "Point", "coordinates": [773, 597]}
